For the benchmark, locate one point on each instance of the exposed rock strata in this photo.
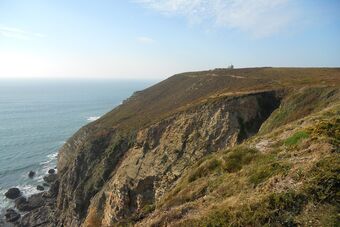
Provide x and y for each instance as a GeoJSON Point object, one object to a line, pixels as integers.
{"type": "Point", "coordinates": [152, 161]}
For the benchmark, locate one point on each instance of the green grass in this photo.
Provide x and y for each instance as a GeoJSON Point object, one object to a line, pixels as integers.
{"type": "Point", "coordinates": [238, 157]}
{"type": "Point", "coordinates": [318, 200]}
{"type": "Point", "coordinates": [205, 169]}
{"type": "Point", "coordinates": [296, 138]}
{"type": "Point", "coordinates": [276, 209]}
{"type": "Point", "coordinates": [261, 173]}
{"type": "Point", "coordinates": [324, 180]}
{"type": "Point", "coordinates": [330, 129]}
{"type": "Point", "coordinates": [300, 104]}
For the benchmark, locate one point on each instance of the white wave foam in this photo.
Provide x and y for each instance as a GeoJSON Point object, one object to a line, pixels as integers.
{"type": "Point", "coordinates": [51, 158]}
{"type": "Point", "coordinates": [30, 187]}
{"type": "Point", "coordinates": [94, 118]}
{"type": "Point", "coordinates": [26, 190]}
{"type": "Point", "coordinates": [4, 202]}
{"type": "Point", "coordinates": [47, 165]}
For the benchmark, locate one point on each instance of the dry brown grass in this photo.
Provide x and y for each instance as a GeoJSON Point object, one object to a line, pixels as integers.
{"type": "Point", "coordinates": [288, 185]}
{"type": "Point", "coordinates": [93, 220]}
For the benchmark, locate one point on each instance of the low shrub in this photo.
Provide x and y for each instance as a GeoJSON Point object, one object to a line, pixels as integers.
{"type": "Point", "coordinates": [237, 158]}
{"type": "Point", "coordinates": [261, 173]}
{"type": "Point", "coordinates": [328, 128]}
{"type": "Point", "coordinates": [324, 180]}
{"type": "Point", "coordinates": [204, 169]}
{"type": "Point", "coordinates": [276, 209]}
{"type": "Point", "coordinates": [295, 139]}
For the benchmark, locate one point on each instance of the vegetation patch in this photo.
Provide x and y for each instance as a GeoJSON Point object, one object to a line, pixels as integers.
{"type": "Point", "coordinates": [324, 180]}
{"type": "Point", "coordinates": [148, 208]}
{"type": "Point", "coordinates": [261, 173]}
{"type": "Point", "coordinates": [205, 169]}
{"type": "Point", "coordinates": [237, 158]}
{"type": "Point", "coordinates": [296, 138]}
{"type": "Point", "coordinates": [186, 194]}
{"type": "Point", "coordinates": [329, 129]}
{"type": "Point", "coordinates": [299, 105]}
{"type": "Point", "coordinates": [276, 209]}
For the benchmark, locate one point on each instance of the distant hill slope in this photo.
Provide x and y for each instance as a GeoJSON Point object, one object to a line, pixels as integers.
{"type": "Point", "coordinates": [220, 147]}
{"type": "Point", "coordinates": [187, 89]}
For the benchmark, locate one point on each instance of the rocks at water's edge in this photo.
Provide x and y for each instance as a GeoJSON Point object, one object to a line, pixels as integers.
{"type": "Point", "coordinates": [31, 174]}
{"type": "Point", "coordinates": [51, 171]}
{"type": "Point", "coordinates": [13, 193]}
{"type": "Point", "coordinates": [11, 215]}
{"type": "Point", "coordinates": [33, 202]}
{"type": "Point", "coordinates": [36, 200]}
{"type": "Point", "coordinates": [41, 208]}
{"type": "Point", "coordinates": [40, 188]}
{"type": "Point", "coordinates": [50, 178]}
{"type": "Point", "coordinates": [22, 205]}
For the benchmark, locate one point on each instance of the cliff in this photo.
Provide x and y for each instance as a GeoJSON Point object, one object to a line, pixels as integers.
{"type": "Point", "coordinates": [205, 148]}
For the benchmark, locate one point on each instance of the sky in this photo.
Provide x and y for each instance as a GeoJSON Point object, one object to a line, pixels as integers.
{"type": "Point", "coordinates": [154, 39]}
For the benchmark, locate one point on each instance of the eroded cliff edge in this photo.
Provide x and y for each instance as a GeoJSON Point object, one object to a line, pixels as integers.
{"type": "Point", "coordinates": [115, 169]}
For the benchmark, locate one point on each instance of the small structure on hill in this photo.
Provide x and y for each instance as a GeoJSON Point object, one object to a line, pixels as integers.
{"type": "Point", "coordinates": [231, 66]}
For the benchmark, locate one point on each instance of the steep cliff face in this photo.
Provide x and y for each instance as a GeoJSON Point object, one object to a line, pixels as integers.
{"type": "Point", "coordinates": [163, 151]}
{"type": "Point", "coordinates": [133, 174]}
{"type": "Point", "coordinates": [288, 176]}
{"type": "Point", "coordinates": [122, 167]}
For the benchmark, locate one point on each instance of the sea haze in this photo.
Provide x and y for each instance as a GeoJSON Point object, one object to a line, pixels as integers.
{"type": "Point", "coordinates": [37, 117]}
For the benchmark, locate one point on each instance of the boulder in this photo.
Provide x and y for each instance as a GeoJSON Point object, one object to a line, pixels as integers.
{"type": "Point", "coordinates": [31, 174]}
{"type": "Point", "coordinates": [22, 205]}
{"type": "Point", "coordinates": [51, 171]}
{"type": "Point", "coordinates": [11, 215]}
{"type": "Point", "coordinates": [13, 193]}
{"type": "Point", "coordinates": [33, 202]}
{"type": "Point", "coordinates": [36, 200]}
{"type": "Point", "coordinates": [40, 188]}
{"type": "Point", "coordinates": [50, 178]}
{"type": "Point", "coordinates": [46, 184]}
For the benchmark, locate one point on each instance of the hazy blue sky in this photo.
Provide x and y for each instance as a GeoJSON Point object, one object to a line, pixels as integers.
{"type": "Point", "coordinates": [157, 38]}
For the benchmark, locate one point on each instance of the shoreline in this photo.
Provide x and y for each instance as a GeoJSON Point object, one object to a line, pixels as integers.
{"type": "Point", "coordinates": [29, 191]}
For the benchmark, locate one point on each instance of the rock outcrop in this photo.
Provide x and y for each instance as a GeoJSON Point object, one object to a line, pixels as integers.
{"type": "Point", "coordinates": [31, 174]}
{"type": "Point", "coordinates": [11, 215]}
{"type": "Point", "coordinates": [158, 155]}
{"type": "Point", "coordinates": [13, 193]}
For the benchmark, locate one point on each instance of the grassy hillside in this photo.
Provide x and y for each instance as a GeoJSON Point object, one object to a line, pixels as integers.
{"type": "Point", "coordinates": [184, 90]}
{"type": "Point", "coordinates": [133, 165]}
{"type": "Point", "coordinates": [288, 175]}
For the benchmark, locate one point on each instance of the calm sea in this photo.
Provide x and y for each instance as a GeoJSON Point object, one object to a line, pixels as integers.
{"type": "Point", "coordinates": [37, 117]}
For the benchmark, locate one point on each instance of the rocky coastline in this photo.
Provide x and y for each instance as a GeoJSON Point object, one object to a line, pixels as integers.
{"type": "Point", "coordinates": [33, 210]}
{"type": "Point", "coordinates": [256, 147]}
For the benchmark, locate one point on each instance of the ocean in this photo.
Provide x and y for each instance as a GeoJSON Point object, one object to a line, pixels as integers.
{"type": "Point", "coordinates": [37, 117]}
